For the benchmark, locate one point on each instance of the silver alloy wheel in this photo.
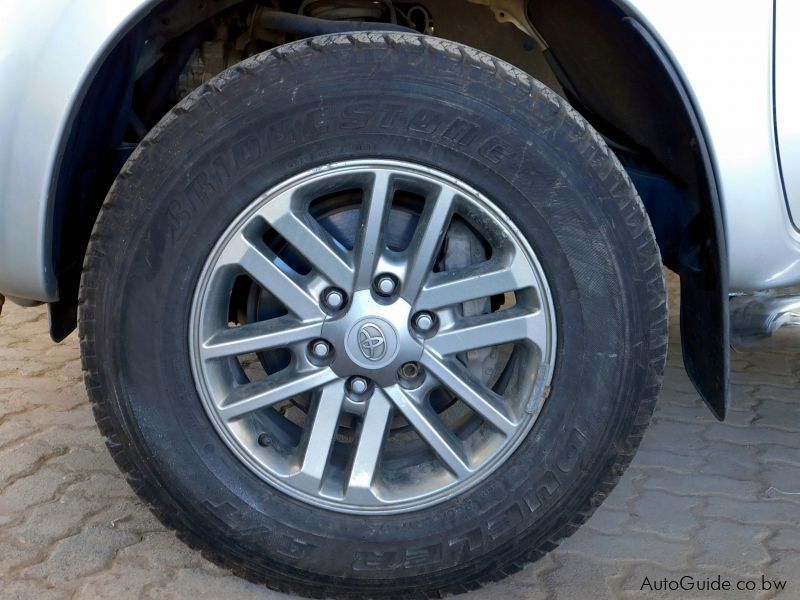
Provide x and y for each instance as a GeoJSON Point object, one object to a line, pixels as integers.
{"type": "Point", "coordinates": [426, 389]}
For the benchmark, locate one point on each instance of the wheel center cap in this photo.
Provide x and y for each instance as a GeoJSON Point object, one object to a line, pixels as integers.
{"type": "Point", "coordinates": [372, 342]}
{"type": "Point", "coordinates": [372, 339]}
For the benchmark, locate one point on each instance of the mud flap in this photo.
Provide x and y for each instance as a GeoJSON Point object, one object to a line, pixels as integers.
{"type": "Point", "coordinates": [705, 318]}
{"type": "Point", "coordinates": [689, 246]}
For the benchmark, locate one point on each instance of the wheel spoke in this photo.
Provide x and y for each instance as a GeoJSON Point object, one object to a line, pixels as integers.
{"type": "Point", "coordinates": [311, 240]}
{"type": "Point", "coordinates": [484, 402]}
{"type": "Point", "coordinates": [271, 277]}
{"type": "Point", "coordinates": [427, 240]}
{"type": "Point", "coordinates": [368, 451]}
{"type": "Point", "coordinates": [266, 392]}
{"type": "Point", "coordinates": [480, 281]}
{"type": "Point", "coordinates": [428, 426]}
{"type": "Point", "coordinates": [370, 240]}
{"type": "Point", "coordinates": [325, 422]}
{"type": "Point", "coordinates": [484, 331]}
{"type": "Point", "coordinates": [262, 335]}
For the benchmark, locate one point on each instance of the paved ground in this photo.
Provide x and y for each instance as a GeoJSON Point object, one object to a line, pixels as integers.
{"type": "Point", "coordinates": [701, 499]}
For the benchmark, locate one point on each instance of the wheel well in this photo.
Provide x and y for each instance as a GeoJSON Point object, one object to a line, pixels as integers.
{"type": "Point", "coordinates": [614, 70]}
{"type": "Point", "coordinates": [596, 53]}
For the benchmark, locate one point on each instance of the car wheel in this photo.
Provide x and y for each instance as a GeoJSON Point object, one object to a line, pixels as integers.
{"type": "Point", "coordinates": [373, 315]}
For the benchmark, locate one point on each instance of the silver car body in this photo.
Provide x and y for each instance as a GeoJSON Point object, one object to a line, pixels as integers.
{"type": "Point", "coordinates": [727, 52]}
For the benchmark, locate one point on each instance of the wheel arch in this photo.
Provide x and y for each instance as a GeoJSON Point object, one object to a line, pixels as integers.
{"type": "Point", "coordinates": [676, 176]}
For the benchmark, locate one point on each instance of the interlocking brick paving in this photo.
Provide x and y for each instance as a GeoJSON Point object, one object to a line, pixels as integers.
{"type": "Point", "coordinates": [702, 498]}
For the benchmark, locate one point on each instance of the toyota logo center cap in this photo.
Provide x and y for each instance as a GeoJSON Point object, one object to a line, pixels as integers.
{"type": "Point", "coordinates": [372, 342]}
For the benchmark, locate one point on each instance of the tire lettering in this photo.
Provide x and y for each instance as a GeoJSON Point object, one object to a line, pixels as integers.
{"type": "Point", "coordinates": [293, 548]}
{"type": "Point", "coordinates": [409, 558]}
{"type": "Point", "coordinates": [571, 452]}
{"type": "Point", "coordinates": [505, 523]}
{"type": "Point", "coordinates": [461, 132]}
{"type": "Point", "coordinates": [221, 170]}
{"type": "Point", "coordinates": [425, 121]}
{"type": "Point", "coordinates": [543, 495]}
{"type": "Point", "coordinates": [376, 561]}
{"type": "Point", "coordinates": [495, 150]}
{"type": "Point", "coordinates": [356, 116]}
{"type": "Point", "coordinates": [418, 557]}
{"type": "Point", "coordinates": [200, 189]}
{"type": "Point", "coordinates": [461, 546]}
{"type": "Point", "coordinates": [246, 151]}
{"type": "Point", "coordinates": [392, 116]}
{"type": "Point", "coordinates": [282, 133]}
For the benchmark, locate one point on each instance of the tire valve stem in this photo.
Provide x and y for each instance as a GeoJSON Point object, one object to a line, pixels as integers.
{"type": "Point", "coordinates": [264, 440]}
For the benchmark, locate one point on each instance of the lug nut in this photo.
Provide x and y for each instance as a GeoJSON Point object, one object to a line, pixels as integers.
{"type": "Point", "coordinates": [385, 284]}
{"type": "Point", "coordinates": [410, 375]}
{"type": "Point", "coordinates": [334, 298]}
{"type": "Point", "coordinates": [424, 321]}
{"type": "Point", "coordinates": [320, 348]}
{"type": "Point", "coordinates": [358, 385]}
{"type": "Point", "coordinates": [409, 370]}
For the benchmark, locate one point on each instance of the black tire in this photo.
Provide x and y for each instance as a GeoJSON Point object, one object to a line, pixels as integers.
{"type": "Point", "coordinates": [259, 123]}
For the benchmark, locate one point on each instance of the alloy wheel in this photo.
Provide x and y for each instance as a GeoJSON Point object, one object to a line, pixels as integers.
{"type": "Point", "coordinates": [380, 367]}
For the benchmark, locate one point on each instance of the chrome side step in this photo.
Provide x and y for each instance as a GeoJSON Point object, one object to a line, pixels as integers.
{"type": "Point", "coordinates": [755, 318]}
